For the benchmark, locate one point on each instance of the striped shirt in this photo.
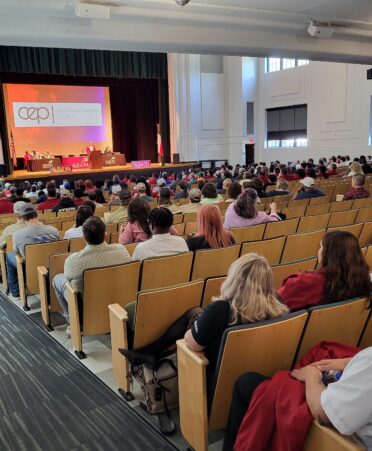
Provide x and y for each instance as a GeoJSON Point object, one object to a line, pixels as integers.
{"type": "Point", "coordinates": [93, 256]}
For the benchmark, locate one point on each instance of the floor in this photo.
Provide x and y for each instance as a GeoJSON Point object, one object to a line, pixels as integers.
{"type": "Point", "coordinates": [98, 351]}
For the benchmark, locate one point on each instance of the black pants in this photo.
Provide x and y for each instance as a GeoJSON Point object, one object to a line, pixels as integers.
{"type": "Point", "coordinates": [243, 391]}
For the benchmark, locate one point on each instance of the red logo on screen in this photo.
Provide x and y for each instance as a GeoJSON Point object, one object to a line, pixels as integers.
{"type": "Point", "coordinates": [36, 113]}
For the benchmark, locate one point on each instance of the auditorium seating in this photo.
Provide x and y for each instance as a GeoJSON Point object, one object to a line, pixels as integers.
{"type": "Point", "coordinates": [326, 438]}
{"type": "Point", "coordinates": [281, 272]}
{"type": "Point", "coordinates": [271, 249]}
{"type": "Point", "coordinates": [213, 262]}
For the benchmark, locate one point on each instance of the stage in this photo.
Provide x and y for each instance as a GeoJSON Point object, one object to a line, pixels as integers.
{"type": "Point", "coordinates": [96, 174]}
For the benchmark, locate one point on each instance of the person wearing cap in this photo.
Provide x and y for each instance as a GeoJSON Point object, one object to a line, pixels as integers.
{"type": "Point", "coordinates": [141, 192]}
{"type": "Point", "coordinates": [306, 190]}
{"type": "Point", "coordinates": [6, 206]}
{"type": "Point", "coordinates": [34, 232]}
{"type": "Point", "coordinates": [120, 215]}
{"type": "Point", "coordinates": [11, 228]}
{"type": "Point", "coordinates": [51, 201]}
{"type": "Point", "coordinates": [194, 205]}
{"type": "Point", "coordinates": [65, 203]}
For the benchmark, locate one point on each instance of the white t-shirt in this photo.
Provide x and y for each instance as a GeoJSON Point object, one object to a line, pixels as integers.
{"type": "Point", "coordinates": [348, 402]}
{"type": "Point", "coordinates": [160, 246]}
{"type": "Point", "coordinates": [74, 232]}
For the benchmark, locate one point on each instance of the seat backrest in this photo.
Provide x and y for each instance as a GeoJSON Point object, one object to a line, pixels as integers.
{"type": "Point", "coordinates": [317, 222]}
{"type": "Point", "coordinates": [190, 217]}
{"type": "Point", "coordinates": [317, 209]}
{"type": "Point", "coordinates": [77, 244]}
{"type": "Point", "coordinates": [344, 205]}
{"type": "Point", "coordinates": [341, 322]}
{"type": "Point", "coordinates": [156, 310]}
{"type": "Point", "coordinates": [271, 249]}
{"type": "Point", "coordinates": [281, 272]}
{"type": "Point", "coordinates": [163, 272]}
{"type": "Point", "coordinates": [191, 227]}
{"type": "Point", "coordinates": [366, 338]}
{"type": "Point", "coordinates": [177, 218]}
{"type": "Point", "coordinates": [212, 287]}
{"type": "Point", "coordinates": [355, 229]}
{"type": "Point", "coordinates": [56, 266]}
{"type": "Point", "coordinates": [302, 246]}
{"type": "Point", "coordinates": [250, 233]}
{"type": "Point", "coordinates": [281, 228]}
{"type": "Point", "coordinates": [294, 212]}
{"type": "Point", "coordinates": [364, 214]}
{"type": "Point", "coordinates": [320, 200]}
{"type": "Point", "coordinates": [268, 346]}
{"type": "Point", "coordinates": [130, 247]}
{"type": "Point", "coordinates": [213, 262]}
{"type": "Point", "coordinates": [340, 218]}
{"type": "Point", "coordinates": [9, 243]}
{"type": "Point", "coordinates": [65, 215]}
{"type": "Point", "coordinates": [365, 236]}
{"type": "Point", "coordinates": [362, 203]}
{"type": "Point", "coordinates": [105, 286]}
{"type": "Point", "coordinates": [180, 228]}
{"type": "Point", "coordinates": [65, 225]}
{"type": "Point", "coordinates": [298, 203]}
{"type": "Point", "coordinates": [38, 255]}
{"type": "Point", "coordinates": [114, 237]}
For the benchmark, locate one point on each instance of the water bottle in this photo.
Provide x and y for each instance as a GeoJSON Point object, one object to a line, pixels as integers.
{"type": "Point", "coordinates": [331, 376]}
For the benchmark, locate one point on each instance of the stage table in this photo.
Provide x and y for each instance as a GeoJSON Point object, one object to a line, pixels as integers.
{"type": "Point", "coordinates": [75, 162]}
{"type": "Point", "coordinates": [42, 164]}
{"type": "Point", "coordinates": [113, 160]}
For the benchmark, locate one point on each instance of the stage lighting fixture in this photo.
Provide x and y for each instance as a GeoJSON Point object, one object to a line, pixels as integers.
{"type": "Point", "coordinates": [182, 2]}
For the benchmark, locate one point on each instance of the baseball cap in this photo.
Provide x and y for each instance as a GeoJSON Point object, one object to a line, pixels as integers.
{"type": "Point", "coordinates": [308, 182]}
{"type": "Point", "coordinates": [140, 187]}
{"type": "Point", "coordinates": [195, 193]}
{"type": "Point", "coordinates": [115, 189]}
{"type": "Point", "coordinates": [64, 193]}
{"type": "Point", "coordinates": [25, 209]}
{"type": "Point", "coordinates": [124, 194]}
{"type": "Point", "coordinates": [17, 206]}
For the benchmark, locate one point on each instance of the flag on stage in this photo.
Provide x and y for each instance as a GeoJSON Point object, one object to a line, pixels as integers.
{"type": "Point", "coordinates": [160, 144]}
{"type": "Point", "coordinates": [12, 149]}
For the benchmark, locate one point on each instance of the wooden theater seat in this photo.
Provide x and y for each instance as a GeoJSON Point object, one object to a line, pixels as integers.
{"type": "Point", "coordinates": [166, 305]}
{"type": "Point", "coordinates": [355, 229]}
{"type": "Point", "coordinates": [265, 347]}
{"type": "Point", "coordinates": [130, 247]}
{"type": "Point", "coordinates": [281, 228]}
{"type": "Point", "coordinates": [341, 218]}
{"type": "Point", "coordinates": [344, 205]}
{"type": "Point", "coordinates": [302, 246]}
{"type": "Point", "coordinates": [212, 287]}
{"type": "Point", "coordinates": [294, 212]}
{"type": "Point", "coordinates": [4, 275]}
{"type": "Point", "coordinates": [364, 214]}
{"type": "Point", "coordinates": [316, 222]}
{"type": "Point", "coordinates": [35, 255]}
{"type": "Point", "coordinates": [250, 233]}
{"type": "Point", "coordinates": [102, 286]}
{"type": "Point", "coordinates": [326, 438]}
{"type": "Point", "coordinates": [213, 262]}
{"type": "Point", "coordinates": [48, 299]}
{"type": "Point", "coordinates": [320, 209]}
{"type": "Point", "coordinates": [365, 237]}
{"type": "Point", "coordinates": [163, 272]}
{"type": "Point", "coordinates": [281, 272]}
{"type": "Point", "coordinates": [270, 249]}
{"type": "Point", "coordinates": [77, 244]}
{"type": "Point", "coordinates": [342, 322]}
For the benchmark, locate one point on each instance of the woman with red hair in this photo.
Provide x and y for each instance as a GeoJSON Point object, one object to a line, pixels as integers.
{"type": "Point", "coordinates": [211, 234]}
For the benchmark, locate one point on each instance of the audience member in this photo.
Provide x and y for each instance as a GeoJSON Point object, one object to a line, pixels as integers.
{"type": "Point", "coordinates": [210, 196]}
{"type": "Point", "coordinates": [82, 214]}
{"type": "Point", "coordinates": [165, 200]}
{"type": "Point", "coordinates": [32, 194]}
{"type": "Point", "coordinates": [51, 201]}
{"type": "Point", "coordinates": [96, 254]}
{"type": "Point", "coordinates": [211, 233]}
{"type": "Point", "coordinates": [243, 212]}
{"type": "Point", "coordinates": [181, 191]}
{"type": "Point", "coordinates": [194, 205]}
{"type": "Point", "coordinates": [92, 196]}
{"type": "Point", "coordinates": [121, 214]}
{"type": "Point", "coordinates": [6, 206]}
{"type": "Point", "coordinates": [233, 192]}
{"type": "Point", "coordinates": [355, 168]}
{"type": "Point", "coordinates": [78, 194]}
{"type": "Point", "coordinates": [90, 204]}
{"type": "Point", "coordinates": [11, 228]}
{"type": "Point", "coordinates": [34, 232]}
{"type": "Point", "coordinates": [137, 228]}
{"type": "Point", "coordinates": [357, 190]}
{"type": "Point", "coordinates": [162, 242]}
{"type": "Point", "coordinates": [19, 196]}
{"type": "Point", "coordinates": [343, 274]}
{"type": "Point", "coordinates": [65, 203]}
{"type": "Point", "coordinates": [281, 189]}
{"type": "Point", "coordinates": [306, 190]}
{"type": "Point", "coordinates": [141, 192]}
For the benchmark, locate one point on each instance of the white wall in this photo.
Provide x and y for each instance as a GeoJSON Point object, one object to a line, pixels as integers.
{"type": "Point", "coordinates": [338, 96]}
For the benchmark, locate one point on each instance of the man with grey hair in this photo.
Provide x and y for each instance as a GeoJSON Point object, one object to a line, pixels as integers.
{"type": "Point", "coordinates": [357, 190]}
{"type": "Point", "coordinates": [194, 205]}
{"type": "Point", "coordinates": [11, 228]}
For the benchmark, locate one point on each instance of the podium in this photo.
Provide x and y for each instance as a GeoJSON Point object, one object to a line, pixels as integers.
{"type": "Point", "coordinates": [95, 160]}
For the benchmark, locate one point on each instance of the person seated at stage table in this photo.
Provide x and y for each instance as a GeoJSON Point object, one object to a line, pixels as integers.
{"type": "Point", "coordinates": [357, 190]}
{"type": "Point", "coordinates": [6, 206]}
{"type": "Point", "coordinates": [210, 195]}
{"type": "Point", "coordinates": [137, 228]}
{"type": "Point", "coordinates": [34, 232]}
{"type": "Point", "coordinates": [306, 190]}
{"type": "Point", "coordinates": [140, 189]}
{"type": "Point", "coordinates": [90, 148]}
{"type": "Point", "coordinates": [194, 205]}
{"type": "Point", "coordinates": [65, 203]}
{"type": "Point", "coordinates": [210, 234]}
{"type": "Point", "coordinates": [163, 237]}
{"type": "Point", "coordinates": [165, 200]}
{"type": "Point", "coordinates": [11, 228]}
{"type": "Point", "coordinates": [92, 196]}
{"type": "Point", "coordinates": [78, 194]}
{"type": "Point", "coordinates": [96, 254]}
{"type": "Point", "coordinates": [82, 214]}
{"type": "Point", "coordinates": [120, 215]}
{"type": "Point", "coordinates": [343, 274]}
{"type": "Point", "coordinates": [51, 201]}
{"type": "Point", "coordinates": [243, 212]}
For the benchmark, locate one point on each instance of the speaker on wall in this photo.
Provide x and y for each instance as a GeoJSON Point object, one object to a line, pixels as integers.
{"type": "Point", "coordinates": [176, 158]}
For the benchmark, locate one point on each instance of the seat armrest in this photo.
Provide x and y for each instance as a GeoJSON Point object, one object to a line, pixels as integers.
{"type": "Point", "coordinates": [198, 357]}
{"type": "Point", "coordinates": [325, 438]}
{"type": "Point", "coordinates": [42, 275]}
{"type": "Point", "coordinates": [73, 312]}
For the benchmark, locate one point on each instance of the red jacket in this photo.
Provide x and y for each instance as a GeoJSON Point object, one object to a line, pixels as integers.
{"type": "Point", "coordinates": [48, 204]}
{"type": "Point", "coordinates": [303, 290]}
{"type": "Point", "coordinates": [6, 206]}
{"type": "Point", "coordinates": [278, 418]}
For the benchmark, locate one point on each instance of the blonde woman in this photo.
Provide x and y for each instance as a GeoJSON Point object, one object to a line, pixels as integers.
{"type": "Point", "coordinates": [355, 168]}
{"type": "Point", "coordinates": [247, 296]}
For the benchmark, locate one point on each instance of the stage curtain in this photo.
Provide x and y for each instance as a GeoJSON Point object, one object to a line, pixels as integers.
{"type": "Point", "coordinates": [164, 118]}
{"type": "Point", "coordinates": [81, 62]}
{"type": "Point", "coordinates": [3, 133]}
